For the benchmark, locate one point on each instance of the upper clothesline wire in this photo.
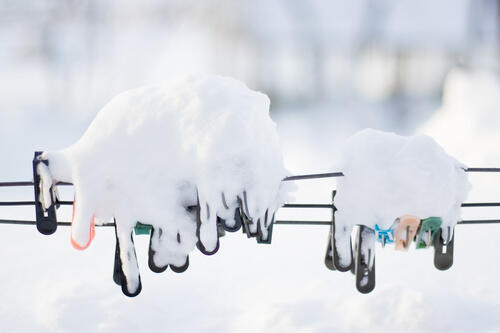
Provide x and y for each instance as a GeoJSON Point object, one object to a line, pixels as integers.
{"type": "Point", "coordinates": [289, 178]}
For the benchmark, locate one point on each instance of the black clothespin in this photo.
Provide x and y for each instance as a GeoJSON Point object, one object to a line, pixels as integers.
{"type": "Point", "coordinates": [329, 244]}
{"type": "Point", "coordinates": [336, 260]}
{"type": "Point", "coordinates": [245, 216]}
{"type": "Point", "coordinates": [268, 223]}
{"type": "Point", "coordinates": [117, 269]}
{"type": "Point", "coordinates": [329, 252]}
{"type": "Point", "coordinates": [365, 274]}
{"type": "Point", "coordinates": [46, 220]}
{"type": "Point", "coordinates": [443, 250]}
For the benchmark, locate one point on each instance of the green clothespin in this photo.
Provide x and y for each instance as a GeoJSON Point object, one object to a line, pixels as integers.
{"type": "Point", "coordinates": [427, 232]}
{"type": "Point", "coordinates": [142, 229]}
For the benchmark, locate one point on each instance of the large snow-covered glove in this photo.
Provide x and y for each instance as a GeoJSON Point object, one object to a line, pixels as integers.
{"type": "Point", "coordinates": [152, 152]}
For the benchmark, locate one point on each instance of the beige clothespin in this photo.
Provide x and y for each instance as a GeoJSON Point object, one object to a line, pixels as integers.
{"type": "Point", "coordinates": [406, 229]}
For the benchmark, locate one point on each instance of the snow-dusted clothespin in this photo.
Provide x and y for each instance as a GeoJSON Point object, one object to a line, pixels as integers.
{"type": "Point", "coordinates": [406, 229]}
{"type": "Point", "coordinates": [384, 236]}
{"type": "Point", "coordinates": [427, 232]}
{"type": "Point", "coordinates": [45, 196]}
{"type": "Point", "coordinates": [347, 264]}
{"type": "Point", "coordinates": [443, 249]}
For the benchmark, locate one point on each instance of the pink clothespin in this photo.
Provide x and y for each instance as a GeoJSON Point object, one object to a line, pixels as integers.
{"type": "Point", "coordinates": [406, 229]}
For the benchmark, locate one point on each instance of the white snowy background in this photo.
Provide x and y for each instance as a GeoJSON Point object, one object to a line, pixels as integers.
{"type": "Point", "coordinates": [330, 68]}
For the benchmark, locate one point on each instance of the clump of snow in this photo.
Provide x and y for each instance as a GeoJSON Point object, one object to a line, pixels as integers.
{"type": "Point", "coordinates": [387, 176]}
{"type": "Point", "coordinates": [152, 152]}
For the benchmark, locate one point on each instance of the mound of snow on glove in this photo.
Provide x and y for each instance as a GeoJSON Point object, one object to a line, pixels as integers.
{"type": "Point", "coordinates": [387, 176]}
{"type": "Point", "coordinates": [152, 152]}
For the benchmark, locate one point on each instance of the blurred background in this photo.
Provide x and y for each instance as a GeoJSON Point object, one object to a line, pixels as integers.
{"type": "Point", "coordinates": [330, 68]}
{"type": "Point", "coordinates": [392, 54]}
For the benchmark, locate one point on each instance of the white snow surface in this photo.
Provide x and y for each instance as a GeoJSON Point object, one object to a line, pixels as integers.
{"type": "Point", "coordinates": [388, 175]}
{"type": "Point", "coordinates": [150, 151]}
{"type": "Point", "coordinates": [71, 287]}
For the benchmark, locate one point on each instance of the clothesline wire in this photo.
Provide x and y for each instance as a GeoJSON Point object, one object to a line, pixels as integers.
{"type": "Point", "coordinates": [340, 174]}
{"type": "Point", "coordinates": [277, 222]}
{"type": "Point", "coordinates": [289, 178]}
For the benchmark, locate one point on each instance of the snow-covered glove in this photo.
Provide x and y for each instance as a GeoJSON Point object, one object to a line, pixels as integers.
{"type": "Point", "coordinates": [387, 175]}
{"type": "Point", "coordinates": [152, 152]}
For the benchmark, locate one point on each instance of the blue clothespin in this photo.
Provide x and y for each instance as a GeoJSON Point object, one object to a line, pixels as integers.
{"type": "Point", "coordinates": [384, 236]}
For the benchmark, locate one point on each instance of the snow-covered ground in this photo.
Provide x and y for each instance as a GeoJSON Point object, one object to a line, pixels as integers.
{"type": "Point", "coordinates": [246, 287]}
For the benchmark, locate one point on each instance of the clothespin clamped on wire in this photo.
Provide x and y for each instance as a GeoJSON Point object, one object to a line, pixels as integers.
{"type": "Point", "coordinates": [142, 229]}
{"type": "Point", "coordinates": [384, 236]}
{"type": "Point", "coordinates": [443, 249]}
{"type": "Point", "coordinates": [45, 196]}
{"type": "Point", "coordinates": [406, 229]}
{"type": "Point", "coordinates": [427, 232]}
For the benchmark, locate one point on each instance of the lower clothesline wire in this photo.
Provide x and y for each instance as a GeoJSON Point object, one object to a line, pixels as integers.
{"type": "Point", "coordinates": [277, 222]}
{"type": "Point", "coordinates": [293, 205]}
